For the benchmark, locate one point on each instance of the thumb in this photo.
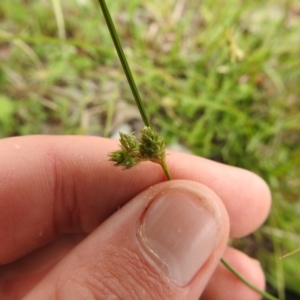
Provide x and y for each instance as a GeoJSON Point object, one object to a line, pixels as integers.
{"type": "Point", "coordinates": [164, 244]}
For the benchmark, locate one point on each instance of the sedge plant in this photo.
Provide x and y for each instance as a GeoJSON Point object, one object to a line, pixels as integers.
{"type": "Point", "coordinates": [150, 146]}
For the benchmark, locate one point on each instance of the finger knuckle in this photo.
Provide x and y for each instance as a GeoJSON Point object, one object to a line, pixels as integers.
{"type": "Point", "coordinates": [125, 275]}
{"type": "Point", "coordinates": [63, 191]}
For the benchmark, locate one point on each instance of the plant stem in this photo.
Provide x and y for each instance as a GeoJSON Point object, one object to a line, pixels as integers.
{"type": "Point", "coordinates": [124, 62]}
{"type": "Point", "coordinates": [245, 281]}
{"type": "Point", "coordinates": [290, 253]}
{"type": "Point", "coordinates": [59, 19]}
{"type": "Point", "coordinates": [166, 170]}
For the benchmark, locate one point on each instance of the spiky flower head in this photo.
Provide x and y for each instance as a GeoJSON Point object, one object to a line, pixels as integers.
{"type": "Point", "coordinates": [129, 142]}
{"type": "Point", "coordinates": [151, 146]}
{"type": "Point", "coordinates": [123, 158]}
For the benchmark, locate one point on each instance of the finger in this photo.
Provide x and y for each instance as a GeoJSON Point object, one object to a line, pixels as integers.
{"type": "Point", "coordinates": [19, 277]}
{"type": "Point", "coordinates": [246, 196]}
{"type": "Point", "coordinates": [225, 285]}
{"type": "Point", "coordinates": [164, 244]}
{"type": "Point", "coordinates": [53, 185]}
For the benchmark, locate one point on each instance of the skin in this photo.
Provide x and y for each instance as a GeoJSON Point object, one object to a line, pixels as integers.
{"type": "Point", "coordinates": [59, 219]}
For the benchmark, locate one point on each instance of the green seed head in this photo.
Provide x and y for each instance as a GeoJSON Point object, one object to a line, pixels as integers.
{"type": "Point", "coordinates": [123, 158]}
{"type": "Point", "coordinates": [129, 142]}
{"type": "Point", "coordinates": [151, 146]}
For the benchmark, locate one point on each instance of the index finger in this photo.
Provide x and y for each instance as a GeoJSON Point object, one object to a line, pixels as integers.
{"type": "Point", "coordinates": [52, 185]}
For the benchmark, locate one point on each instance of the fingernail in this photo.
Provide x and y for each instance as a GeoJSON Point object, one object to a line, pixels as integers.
{"type": "Point", "coordinates": [180, 230]}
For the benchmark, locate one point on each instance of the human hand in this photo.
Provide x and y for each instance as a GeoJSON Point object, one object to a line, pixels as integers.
{"type": "Point", "coordinates": [66, 232]}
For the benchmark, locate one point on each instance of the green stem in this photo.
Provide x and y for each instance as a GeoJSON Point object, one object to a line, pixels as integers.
{"type": "Point", "coordinates": [166, 170]}
{"type": "Point", "coordinates": [290, 253]}
{"type": "Point", "coordinates": [124, 62]}
{"type": "Point", "coordinates": [245, 281]}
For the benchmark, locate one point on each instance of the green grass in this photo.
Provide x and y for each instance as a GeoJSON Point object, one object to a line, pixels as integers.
{"type": "Point", "coordinates": [59, 74]}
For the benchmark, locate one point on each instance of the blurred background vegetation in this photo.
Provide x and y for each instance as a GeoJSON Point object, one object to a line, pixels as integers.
{"type": "Point", "coordinates": [219, 77]}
